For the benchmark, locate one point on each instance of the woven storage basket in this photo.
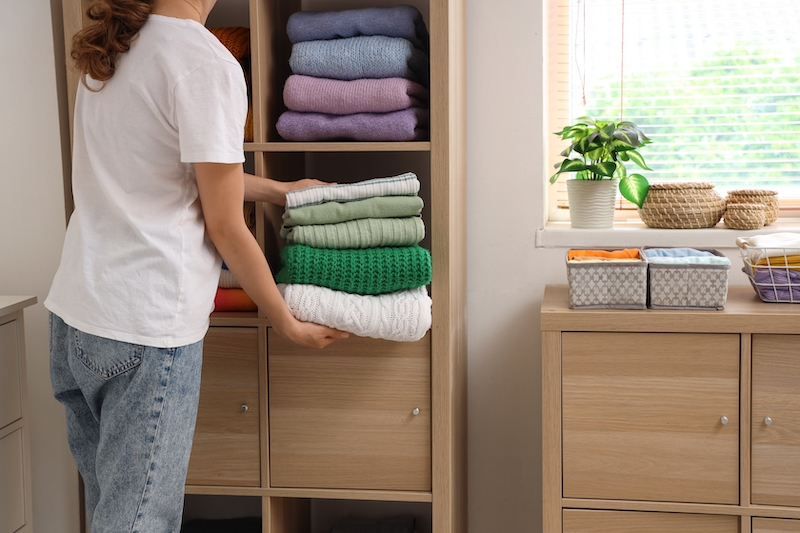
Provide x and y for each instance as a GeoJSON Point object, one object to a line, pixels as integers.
{"type": "Point", "coordinates": [745, 216]}
{"type": "Point", "coordinates": [682, 206]}
{"type": "Point", "coordinates": [687, 286]}
{"type": "Point", "coordinates": [773, 272]}
{"type": "Point", "coordinates": [768, 199]}
{"type": "Point", "coordinates": [608, 285]}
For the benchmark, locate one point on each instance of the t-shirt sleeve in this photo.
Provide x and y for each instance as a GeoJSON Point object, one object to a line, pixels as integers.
{"type": "Point", "coordinates": [210, 112]}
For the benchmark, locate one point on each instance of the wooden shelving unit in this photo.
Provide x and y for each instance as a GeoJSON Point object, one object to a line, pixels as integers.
{"type": "Point", "coordinates": [237, 450]}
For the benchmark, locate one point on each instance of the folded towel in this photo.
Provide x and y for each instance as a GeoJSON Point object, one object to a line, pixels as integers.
{"type": "Point", "coordinates": [233, 300]}
{"type": "Point", "coordinates": [341, 97]}
{"type": "Point", "coordinates": [770, 245]}
{"type": "Point", "coordinates": [784, 261]}
{"type": "Point", "coordinates": [627, 253]}
{"type": "Point", "coordinates": [402, 316]}
{"type": "Point", "coordinates": [335, 212]}
{"type": "Point", "coordinates": [405, 125]}
{"type": "Point", "coordinates": [694, 260]}
{"type": "Point", "coordinates": [677, 252]}
{"type": "Point", "coordinates": [405, 184]}
{"type": "Point", "coordinates": [776, 285]}
{"type": "Point", "coordinates": [362, 233]}
{"type": "Point", "coordinates": [397, 21]}
{"type": "Point", "coordinates": [368, 271]}
{"type": "Point", "coordinates": [374, 56]}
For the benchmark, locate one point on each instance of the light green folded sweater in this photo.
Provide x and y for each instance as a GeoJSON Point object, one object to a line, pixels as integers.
{"type": "Point", "coordinates": [362, 233]}
{"type": "Point", "coordinates": [335, 212]}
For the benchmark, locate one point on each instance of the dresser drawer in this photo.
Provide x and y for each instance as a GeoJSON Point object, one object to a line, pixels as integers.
{"type": "Point", "coordinates": [355, 415]}
{"type": "Point", "coordinates": [593, 521]}
{"type": "Point", "coordinates": [642, 416]}
{"type": "Point", "coordinates": [775, 525]}
{"type": "Point", "coordinates": [12, 487]}
{"type": "Point", "coordinates": [226, 448]}
{"type": "Point", "coordinates": [10, 391]}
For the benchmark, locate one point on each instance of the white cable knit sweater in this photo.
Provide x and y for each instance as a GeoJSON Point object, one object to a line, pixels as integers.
{"type": "Point", "coordinates": [403, 316]}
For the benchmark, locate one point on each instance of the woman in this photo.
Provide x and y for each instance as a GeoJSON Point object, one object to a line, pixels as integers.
{"type": "Point", "coordinates": [158, 186]}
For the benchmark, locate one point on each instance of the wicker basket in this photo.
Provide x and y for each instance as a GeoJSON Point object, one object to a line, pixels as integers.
{"type": "Point", "coordinates": [682, 206]}
{"type": "Point", "coordinates": [773, 272]}
{"type": "Point", "coordinates": [768, 199]}
{"type": "Point", "coordinates": [745, 216]}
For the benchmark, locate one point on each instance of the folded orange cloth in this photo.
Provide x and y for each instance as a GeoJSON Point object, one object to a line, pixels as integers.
{"type": "Point", "coordinates": [233, 300]}
{"type": "Point", "coordinates": [627, 253]}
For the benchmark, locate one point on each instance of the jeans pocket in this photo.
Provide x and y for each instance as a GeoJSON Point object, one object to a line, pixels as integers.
{"type": "Point", "coordinates": [106, 357]}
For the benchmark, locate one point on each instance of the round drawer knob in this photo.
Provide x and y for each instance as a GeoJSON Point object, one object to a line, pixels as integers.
{"type": "Point", "coordinates": [768, 421]}
{"type": "Point", "coordinates": [724, 420]}
{"type": "Point", "coordinates": [245, 408]}
{"type": "Point", "coordinates": [415, 411]}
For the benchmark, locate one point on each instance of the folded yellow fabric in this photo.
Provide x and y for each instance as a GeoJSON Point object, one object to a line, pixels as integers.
{"type": "Point", "coordinates": [627, 253]}
{"type": "Point", "coordinates": [790, 261]}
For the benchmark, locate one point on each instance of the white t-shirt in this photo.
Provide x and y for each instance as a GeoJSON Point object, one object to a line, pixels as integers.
{"type": "Point", "coordinates": [137, 265]}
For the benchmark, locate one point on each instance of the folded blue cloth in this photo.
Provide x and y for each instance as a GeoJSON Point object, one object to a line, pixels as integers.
{"type": "Point", "coordinates": [676, 252]}
{"type": "Point", "coordinates": [354, 58]}
{"type": "Point", "coordinates": [396, 21]}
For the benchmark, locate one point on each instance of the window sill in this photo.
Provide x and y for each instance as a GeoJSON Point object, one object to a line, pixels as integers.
{"type": "Point", "coordinates": [636, 234]}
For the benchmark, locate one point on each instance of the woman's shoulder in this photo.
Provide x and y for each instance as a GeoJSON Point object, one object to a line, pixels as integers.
{"type": "Point", "coordinates": [184, 41]}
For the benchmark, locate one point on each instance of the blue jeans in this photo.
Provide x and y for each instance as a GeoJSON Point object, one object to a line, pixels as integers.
{"type": "Point", "coordinates": [131, 413]}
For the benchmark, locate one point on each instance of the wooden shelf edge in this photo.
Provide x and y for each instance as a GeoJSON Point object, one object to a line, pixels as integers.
{"type": "Point", "coordinates": [676, 507]}
{"type": "Point", "coordinates": [318, 494]}
{"type": "Point", "coordinates": [416, 146]}
{"type": "Point", "coordinates": [238, 319]}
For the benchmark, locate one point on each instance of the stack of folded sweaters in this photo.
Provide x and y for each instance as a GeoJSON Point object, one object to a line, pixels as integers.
{"type": "Point", "coordinates": [353, 260]}
{"type": "Point", "coordinates": [359, 74]}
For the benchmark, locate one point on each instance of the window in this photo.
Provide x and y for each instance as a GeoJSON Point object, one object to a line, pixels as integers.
{"type": "Point", "coordinates": [714, 83]}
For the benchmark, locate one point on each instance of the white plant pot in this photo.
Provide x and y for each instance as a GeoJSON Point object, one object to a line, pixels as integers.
{"type": "Point", "coordinates": [592, 202]}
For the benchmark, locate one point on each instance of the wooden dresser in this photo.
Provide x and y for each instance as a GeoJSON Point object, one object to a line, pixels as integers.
{"type": "Point", "coordinates": [15, 457]}
{"type": "Point", "coordinates": [671, 420]}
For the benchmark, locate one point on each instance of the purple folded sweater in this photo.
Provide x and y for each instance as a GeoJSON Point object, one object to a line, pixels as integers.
{"type": "Point", "coordinates": [405, 125]}
{"type": "Point", "coordinates": [397, 21]}
{"type": "Point", "coordinates": [339, 97]}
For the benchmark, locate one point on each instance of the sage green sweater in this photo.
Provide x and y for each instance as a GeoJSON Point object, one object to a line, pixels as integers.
{"type": "Point", "coordinates": [362, 233]}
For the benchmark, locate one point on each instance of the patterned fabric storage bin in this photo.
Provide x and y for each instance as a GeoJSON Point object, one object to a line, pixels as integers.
{"type": "Point", "coordinates": [620, 283]}
{"type": "Point", "coordinates": [688, 286]}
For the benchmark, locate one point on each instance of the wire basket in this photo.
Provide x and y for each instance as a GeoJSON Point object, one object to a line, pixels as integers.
{"type": "Point", "coordinates": [773, 272]}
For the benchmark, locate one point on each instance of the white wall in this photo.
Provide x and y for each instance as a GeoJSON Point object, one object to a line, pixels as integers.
{"type": "Point", "coordinates": [31, 232]}
{"type": "Point", "coordinates": [507, 273]}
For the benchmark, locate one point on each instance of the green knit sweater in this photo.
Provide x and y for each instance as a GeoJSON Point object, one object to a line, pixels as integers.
{"type": "Point", "coordinates": [367, 271]}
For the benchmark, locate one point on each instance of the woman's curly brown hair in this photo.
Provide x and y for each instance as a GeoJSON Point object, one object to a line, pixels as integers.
{"type": "Point", "coordinates": [95, 49]}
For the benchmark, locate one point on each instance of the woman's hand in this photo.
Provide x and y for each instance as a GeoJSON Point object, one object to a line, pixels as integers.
{"type": "Point", "coordinates": [267, 190]}
{"type": "Point", "coordinates": [308, 333]}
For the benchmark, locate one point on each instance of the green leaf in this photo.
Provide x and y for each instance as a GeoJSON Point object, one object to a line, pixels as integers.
{"type": "Point", "coordinates": [572, 165]}
{"type": "Point", "coordinates": [637, 158]}
{"type": "Point", "coordinates": [634, 188]}
{"type": "Point", "coordinates": [606, 168]}
{"type": "Point", "coordinates": [605, 134]}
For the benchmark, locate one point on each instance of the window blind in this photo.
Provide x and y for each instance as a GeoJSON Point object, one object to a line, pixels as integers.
{"type": "Point", "coordinates": [714, 83]}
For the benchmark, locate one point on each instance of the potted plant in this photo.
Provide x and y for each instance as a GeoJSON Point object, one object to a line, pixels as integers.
{"type": "Point", "coordinates": [597, 155]}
